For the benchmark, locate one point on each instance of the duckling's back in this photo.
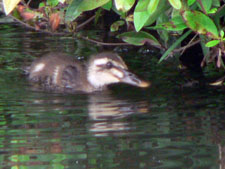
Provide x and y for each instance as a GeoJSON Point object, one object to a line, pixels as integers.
{"type": "Point", "coordinates": [57, 71]}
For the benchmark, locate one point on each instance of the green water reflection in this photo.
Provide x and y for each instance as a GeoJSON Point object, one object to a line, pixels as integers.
{"type": "Point", "coordinates": [165, 126]}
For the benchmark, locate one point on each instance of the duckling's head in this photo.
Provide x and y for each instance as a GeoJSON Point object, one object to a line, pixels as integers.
{"type": "Point", "coordinates": [108, 68]}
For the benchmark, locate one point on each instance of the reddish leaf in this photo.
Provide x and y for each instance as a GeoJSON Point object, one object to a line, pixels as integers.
{"type": "Point", "coordinates": [27, 15]}
{"type": "Point", "coordinates": [20, 8]}
{"type": "Point", "coordinates": [37, 27]}
{"type": "Point", "coordinates": [54, 21]}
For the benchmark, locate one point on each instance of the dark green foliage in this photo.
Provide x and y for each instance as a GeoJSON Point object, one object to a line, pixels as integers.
{"type": "Point", "coordinates": [140, 22]}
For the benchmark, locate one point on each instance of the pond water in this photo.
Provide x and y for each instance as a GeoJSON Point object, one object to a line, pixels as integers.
{"type": "Point", "coordinates": [164, 126]}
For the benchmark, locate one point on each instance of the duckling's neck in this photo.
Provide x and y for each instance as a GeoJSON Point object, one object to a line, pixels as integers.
{"type": "Point", "coordinates": [93, 84]}
{"type": "Point", "coordinates": [90, 88]}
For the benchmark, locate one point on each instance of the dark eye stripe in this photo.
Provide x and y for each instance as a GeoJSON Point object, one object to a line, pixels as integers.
{"type": "Point", "coordinates": [109, 65]}
{"type": "Point", "coordinates": [102, 65]}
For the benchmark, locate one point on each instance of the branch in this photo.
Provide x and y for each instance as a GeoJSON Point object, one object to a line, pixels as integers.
{"type": "Point", "coordinates": [103, 43]}
{"type": "Point", "coordinates": [187, 46]}
{"type": "Point", "coordinates": [33, 28]}
{"type": "Point", "coordinates": [189, 43]}
{"type": "Point", "coordinates": [85, 23]}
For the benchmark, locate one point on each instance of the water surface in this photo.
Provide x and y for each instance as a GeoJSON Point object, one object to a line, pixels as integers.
{"type": "Point", "coordinates": [165, 126]}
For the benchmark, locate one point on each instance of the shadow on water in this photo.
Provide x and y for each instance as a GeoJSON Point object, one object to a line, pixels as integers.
{"type": "Point", "coordinates": [165, 126]}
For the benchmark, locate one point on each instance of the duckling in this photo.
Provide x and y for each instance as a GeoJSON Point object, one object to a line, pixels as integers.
{"type": "Point", "coordinates": [57, 71]}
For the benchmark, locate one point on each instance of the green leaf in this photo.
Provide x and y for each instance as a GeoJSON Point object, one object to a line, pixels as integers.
{"type": "Point", "coordinates": [191, 2]}
{"type": "Point", "coordinates": [216, 3]}
{"type": "Point", "coordinates": [115, 26]}
{"type": "Point", "coordinates": [221, 33]}
{"type": "Point", "coordinates": [212, 43]}
{"type": "Point", "coordinates": [174, 45]}
{"type": "Point", "coordinates": [176, 24]}
{"type": "Point", "coordinates": [164, 34]}
{"type": "Point", "coordinates": [107, 6]}
{"type": "Point", "coordinates": [42, 4]}
{"type": "Point", "coordinates": [200, 23]}
{"type": "Point", "coordinates": [162, 8]}
{"type": "Point", "coordinates": [207, 4]}
{"type": "Point", "coordinates": [143, 18]}
{"type": "Point", "coordinates": [205, 50]}
{"type": "Point", "coordinates": [142, 6]}
{"type": "Point", "coordinates": [175, 4]}
{"type": "Point", "coordinates": [138, 38]}
{"type": "Point", "coordinates": [212, 11]}
{"type": "Point", "coordinates": [79, 6]}
{"type": "Point", "coordinates": [152, 6]}
{"type": "Point", "coordinates": [52, 3]}
{"type": "Point", "coordinates": [98, 13]}
{"type": "Point", "coordinates": [218, 15]}
{"type": "Point", "coordinates": [140, 17]}
{"type": "Point", "coordinates": [124, 5]}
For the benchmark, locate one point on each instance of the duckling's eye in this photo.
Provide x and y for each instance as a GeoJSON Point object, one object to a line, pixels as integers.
{"type": "Point", "coordinates": [109, 65]}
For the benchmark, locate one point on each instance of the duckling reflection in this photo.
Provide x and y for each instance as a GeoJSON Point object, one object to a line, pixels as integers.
{"type": "Point", "coordinates": [107, 112]}
{"type": "Point", "coordinates": [104, 106]}
{"type": "Point", "coordinates": [57, 71]}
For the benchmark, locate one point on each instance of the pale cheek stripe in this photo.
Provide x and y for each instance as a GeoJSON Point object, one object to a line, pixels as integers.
{"type": "Point", "coordinates": [39, 67]}
{"type": "Point", "coordinates": [117, 73]}
{"type": "Point", "coordinates": [100, 61]}
{"type": "Point", "coordinates": [55, 74]}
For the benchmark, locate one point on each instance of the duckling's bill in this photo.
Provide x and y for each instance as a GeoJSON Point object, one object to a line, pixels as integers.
{"type": "Point", "coordinates": [132, 79]}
